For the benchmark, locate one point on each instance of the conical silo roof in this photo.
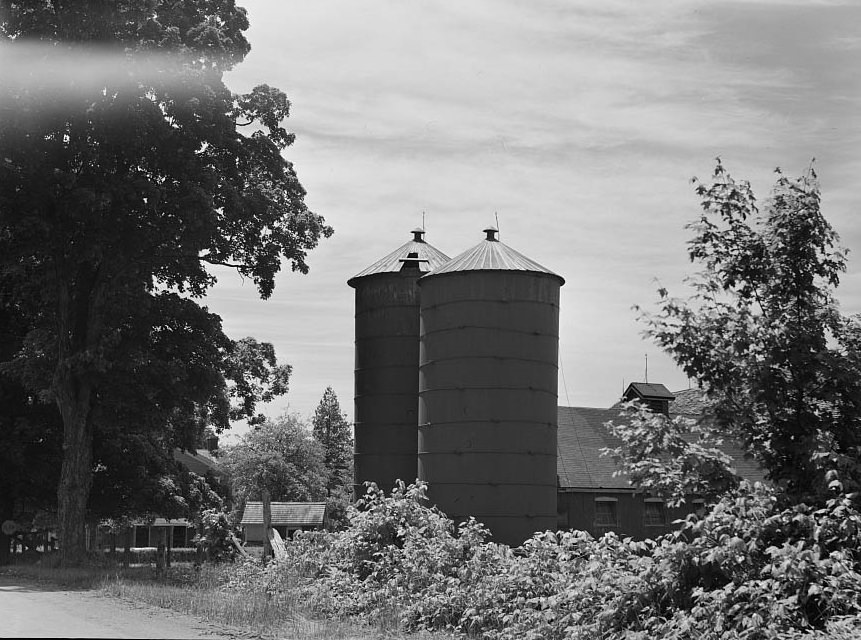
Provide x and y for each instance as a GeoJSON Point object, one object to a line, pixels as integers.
{"type": "Point", "coordinates": [417, 250]}
{"type": "Point", "coordinates": [492, 255]}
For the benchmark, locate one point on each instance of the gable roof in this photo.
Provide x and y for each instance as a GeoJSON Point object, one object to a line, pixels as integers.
{"type": "Point", "coordinates": [199, 461]}
{"type": "Point", "coordinates": [289, 514]}
{"type": "Point", "coordinates": [649, 390]}
{"type": "Point", "coordinates": [582, 435]}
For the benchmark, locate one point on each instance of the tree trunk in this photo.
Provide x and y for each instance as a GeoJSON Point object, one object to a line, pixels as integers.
{"type": "Point", "coordinates": [267, 524]}
{"type": "Point", "coordinates": [75, 481]}
{"type": "Point", "coordinates": [80, 318]}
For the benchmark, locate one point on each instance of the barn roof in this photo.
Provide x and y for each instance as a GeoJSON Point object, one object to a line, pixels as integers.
{"type": "Point", "coordinates": [289, 514]}
{"type": "Point", "coordinates": [492, 255]}
{"type": "Point", "coordinates": [582, 435]}
{"type": "Point", "coordinates": [428, 258]}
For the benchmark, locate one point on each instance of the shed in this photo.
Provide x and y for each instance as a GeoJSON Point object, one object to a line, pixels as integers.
{"type": "Point", "coordinates": [287, 517]}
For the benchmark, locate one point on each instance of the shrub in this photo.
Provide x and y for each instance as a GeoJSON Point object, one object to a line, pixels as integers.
{"type": "Point", "coordinates": [749, 569]}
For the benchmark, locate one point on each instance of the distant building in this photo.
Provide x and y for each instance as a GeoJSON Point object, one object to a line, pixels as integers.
{"type": "Point", "coordinates": [591, 498]}
{"type": "Point", "coordinates": [150, 532]}
{"type": "Point", "coordinates": [287, 518]}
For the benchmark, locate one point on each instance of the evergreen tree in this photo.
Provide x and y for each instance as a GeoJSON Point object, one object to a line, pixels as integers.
{"type": "Point", "coordinates": [332, 430]}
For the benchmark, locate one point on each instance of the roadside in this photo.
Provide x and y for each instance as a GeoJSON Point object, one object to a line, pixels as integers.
{"type": "Point", "coordinates": [31, 609]}
{"type": "Point", "coordinates": [99, 603]}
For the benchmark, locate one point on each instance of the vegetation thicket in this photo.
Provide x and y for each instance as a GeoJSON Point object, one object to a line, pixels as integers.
{"type": "Point", "coordinates": [123, 178]}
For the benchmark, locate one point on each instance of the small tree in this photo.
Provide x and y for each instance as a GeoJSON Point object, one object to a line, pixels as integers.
{"type": "Point", "coordinates": [333, 432]}
{"type": "Point", "coordinates": [763, 336]}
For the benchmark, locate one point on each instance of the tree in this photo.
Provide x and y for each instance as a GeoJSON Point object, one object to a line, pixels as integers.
{"type": "Point", "coordinates": [763, 336]}
{"type": "Point", "coordinates": [281, 456]}
{"type": "Point", "coordinates": [672, 458]}
{"type": "Point", "coordinates": [333, 432]}
{"type": "Point", "coordinates": [119, 184]}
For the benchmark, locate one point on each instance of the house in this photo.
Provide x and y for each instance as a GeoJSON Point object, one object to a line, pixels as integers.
{"type": "Point", "coordinates": [591, 498]}
{"type": "Point", "coordinates": [287, 517]}
{"type": "Point", "coordinates": [149, 532]}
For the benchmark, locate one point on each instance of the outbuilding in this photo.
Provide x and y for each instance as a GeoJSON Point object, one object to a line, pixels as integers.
{"type": "Point", "coordinates": [287, 517]}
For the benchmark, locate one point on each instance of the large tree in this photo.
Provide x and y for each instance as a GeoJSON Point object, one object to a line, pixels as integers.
{"type": "Point", "coordinates": [763, 335]}
{"type": "Point", "coordinates": [121, 179]}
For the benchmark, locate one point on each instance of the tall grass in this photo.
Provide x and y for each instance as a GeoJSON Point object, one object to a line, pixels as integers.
{"type": "Point", "coordinates": [203, 593]}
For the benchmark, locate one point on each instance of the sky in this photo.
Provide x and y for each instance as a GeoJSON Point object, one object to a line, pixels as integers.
{"type": "Point", "coordinates": [579, 124]}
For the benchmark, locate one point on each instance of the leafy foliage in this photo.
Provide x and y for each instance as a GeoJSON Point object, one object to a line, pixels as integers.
{"type": "Point", "coordinates": [673, 458]}
{"type": "Point", "coordinates": [216, 535]}
{"type": "Point", "coordinates": [763, 336]}
{"type": "Point", "coordinates": [281, 456]}
{"type": "Point", "coordinates": [749, 569]}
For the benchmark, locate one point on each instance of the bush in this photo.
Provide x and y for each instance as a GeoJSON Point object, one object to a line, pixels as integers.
{"type": "Point", "coordinates": [218, 534]}
{"type": "Point", "coordinates": [749, 569]}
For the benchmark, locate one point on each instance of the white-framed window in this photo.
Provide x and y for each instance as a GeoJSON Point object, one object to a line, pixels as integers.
{"type": "Point", "coordinates": [654, 512]}
{"type": "Point", "coordinates": [606, 512]}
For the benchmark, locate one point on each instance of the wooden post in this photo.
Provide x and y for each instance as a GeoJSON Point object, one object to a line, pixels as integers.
{"type": "Point", "coordinates": [267, 523]}
{"type": "Point", "coordinates": [127, 552]}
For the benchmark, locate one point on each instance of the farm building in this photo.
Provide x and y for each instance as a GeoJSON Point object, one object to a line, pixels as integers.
{"type": "Point", "coordinates": [287, 517]}
{"type": "Point", "coordinates": [150, 532]}
{"type": "Point", "coordinates": [591, 498]}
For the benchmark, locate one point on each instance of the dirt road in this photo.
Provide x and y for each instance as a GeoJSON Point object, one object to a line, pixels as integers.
{"type": "Point", "coordinates": [30, 610]}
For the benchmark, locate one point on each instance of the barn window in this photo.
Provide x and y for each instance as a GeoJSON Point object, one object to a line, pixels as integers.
{"type": "Point", "coordinates": [654, 513]}
{"type": "Point", "coordinates": [605, 512]}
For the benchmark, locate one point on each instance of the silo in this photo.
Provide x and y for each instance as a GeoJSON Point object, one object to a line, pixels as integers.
{"type": "Point", "coordinates": [488, 376]}
{"type": "Point", "coordinates": [386, 369]}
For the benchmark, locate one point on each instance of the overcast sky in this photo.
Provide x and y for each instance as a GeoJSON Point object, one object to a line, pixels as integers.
{"type": "Point", "coordinates": [579, 123]}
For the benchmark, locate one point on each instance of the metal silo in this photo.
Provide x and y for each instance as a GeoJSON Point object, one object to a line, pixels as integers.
{"type": "Point", "coordinates": [387, 360]}
{"type": "Point", "coordinates": [488, 375]}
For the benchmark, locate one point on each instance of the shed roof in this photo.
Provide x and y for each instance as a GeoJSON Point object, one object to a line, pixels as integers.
{"type": "Point", "coordinates": [429, 257]}
{"type": "Point", "coordinates": [582, 435]}
{"type": "Point", "coordinates": [492, 255]}
{"type": "Point", "coordinates": [289, 514]}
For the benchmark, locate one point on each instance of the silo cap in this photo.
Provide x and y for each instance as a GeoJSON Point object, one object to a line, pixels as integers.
{"type": "Point", "coordinates": [427, 258]}
{"type": "Point", "coordinates": [491, 255]}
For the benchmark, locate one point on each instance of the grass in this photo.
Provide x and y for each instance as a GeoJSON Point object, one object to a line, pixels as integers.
{"type": "Point", "coordinates": [203, 594]}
